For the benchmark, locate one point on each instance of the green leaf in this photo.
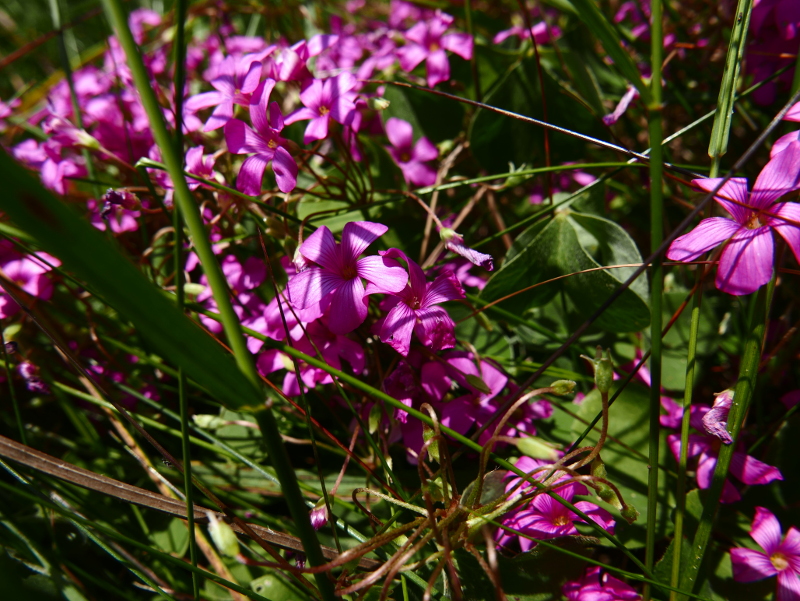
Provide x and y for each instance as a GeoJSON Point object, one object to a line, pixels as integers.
{"type": "Point", "coordinates": [173, 539]}
{"type": "Point", "coordinates": [275, 588]}
{"type": "Point", "coordinates": [497, 140]}
{"type": "Point", "coordinates": [570, 243]}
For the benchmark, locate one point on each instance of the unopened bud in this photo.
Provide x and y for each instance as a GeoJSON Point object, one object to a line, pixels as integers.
{"type": "Point", "coordinates": [319, 515]}
{"type": "Point", "coordinates": [27, 370]}
{"type": "Point", "coordinates": [715, 421]}
{"type": "Point", "coordinates": [537, 448]}
{"type": "Point", "coordinates": [603, 370]}
{"type": "Point", "coordinates": [208, 422]}
{"type": "Point", "coordinates": [561, 387]}
{"type": "Point", "coordinates": [223, 536]}
{"type": "Point", "coordinates": [378, 103]}
{"type": "Point", "coordinates": [11, 347]}
{"type": "Point", "coordinates": [124, 198]}
{"type": "Point", "coordinates": [629, 514]}
{"type": "Point", "coordinates": [433, 448]}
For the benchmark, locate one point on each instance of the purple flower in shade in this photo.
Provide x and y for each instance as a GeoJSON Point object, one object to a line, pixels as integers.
{"type": "Point", "coordinates": [705, 447]}
{"type": "Point", "coordinates": [29, 273]}
{"type": "Point", "coordinates": [319, 516]}
{"type": "Point", "coordinates": [415, 309]}
{"type": "Point", "coordinates": [781, 557]}
{"type": "Point", "coordinates": [598, 585]}
{"type": "Point", "coordinates": [236, 80]}
{"type": "Point", "coordinates": [790, 399]}
{"type": "Point", "coordinates": [427, 42]}
{"type": "Point", "coordinates": [746, 261]}
{"type": "Point", "coordinates": [6, 110]}
{"type": "Point", "coordinates": [715, 422]}
{"type": "Point", "coordinates": [544, 517]}
{"type": "Point", "coordinates": [542, 34]}
{"type": "Point", "coordinates": [410, 157]}
{"type": "Point", "coordinates": [199, 164]}
{"type": "Point", "coordinates": [324, 100]}
{"type": "Point", "coordinates": [629, 96]}
{"type": "Point", "coordinates": [265, 142]}
{"type": "Point", "coordinates": [455, 242]}
{"type": "Point", "coordinates": [340, 273]}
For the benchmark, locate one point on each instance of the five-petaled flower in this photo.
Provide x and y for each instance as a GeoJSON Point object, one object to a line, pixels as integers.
{"type": "Point", "coordinates": [746, 261]}
{"type": "Point", "coordinates": [340, 271]}
{"type": "Point", "coordinates": [781, 557]}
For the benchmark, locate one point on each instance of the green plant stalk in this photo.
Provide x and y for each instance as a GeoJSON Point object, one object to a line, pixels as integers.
{"type": "Point", "coordinates": [680, 493]}
{"type": "Point", "coordinates": [742, 396]}
{"type": "Point", "coordinates": [720, 132]}
{"type": "Point", "coordinates": [219, 287]}
{"type": "Point", "coordinates": [474, 60]}
{"type": "Point", "coordinates": [17, 414]}
{"type": "Point", "coordinates": [181, 8]}
{"type": "Point", "coordinates": [655, 126]}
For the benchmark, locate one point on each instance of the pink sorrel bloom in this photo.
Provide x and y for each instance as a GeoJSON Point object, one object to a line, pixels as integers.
{"type": "Point", "coordinates": [411, 157]}
{"type": "Point", "coordinates": [415, 309]}
{"type": "Point", "coordinates": [598, 585]}
{"type": "Point", "coordinates": [332, 98]}
{"type": "Point", "coordinates": [544, 517]}
{"type": "Point", "coordinates": [779, 557]}
{"type": "Point", "coordinates": [340, 271]}
{"type": "Point", "coordinates": [453, 241]}
{"type": "Point", "coordinates": [746, 261]}
{"type": "Point", "coordinates": [265, 142]}
{"type": "Point", "coordinates": [626, 100]}
{"type": "Point", "coordinates": [29, 273]}
{"type": "Point", "coordinates": [236, 80]}
{"type": "Point", "coordinates": [541, 33]}
{"type": "Point", "coordinates": [426, 41]}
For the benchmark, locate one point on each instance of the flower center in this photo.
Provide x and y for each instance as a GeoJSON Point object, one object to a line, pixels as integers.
{"type": "Point", "coordinates": [414, 303]}
{"type": "Point", "coordinates": [349, 272]}
{"type": "Point", "coordinates": [561, 520]}
{"type": "Point", "coordinates": [324, 110]}
{"type": "Point", "coordinates": [434, 46]}
{"type": "Point", "coordinates": [272, 144]}
{"type": "Point", "coordinates": [753, 222]}
{"type": "Point", "coordinates": [405, 157]}
{"type": "Point", "coordinates": [780, 561]}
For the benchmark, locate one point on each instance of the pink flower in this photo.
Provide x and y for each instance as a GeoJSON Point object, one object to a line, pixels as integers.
{"type": "Point", "coordinates": [746, 261]}
{"type": "Point", "coordinates": [541, 33]}
{"type": "Point", "coordinates": [410, 157]}
{"type": "Point", "coordinates": [781, 557]}
{"type": "Point", "coordinates": [598, 585]}
{"type": "Point", "coordinates": [236, 80]}
{"type": "Point", "coordinates": [29, 273]}
{"type": "Point", "coordinates": [415, 309]}
{"type": "Point", "coordinates": [340, 273]}
{"type": "Point", "coordinates": [332, 98]}
{"type": "Point", "coordinates": [426, 42]}
{"type": "Point", "coordinates": [265, 142]}
{"type": "Point", "coordinates": [453, 241]}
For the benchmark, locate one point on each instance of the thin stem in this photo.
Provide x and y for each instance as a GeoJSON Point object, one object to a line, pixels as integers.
{"type": "Point", "coordinates": [17, 414]}
{"type": "Point", "coordinates": [657, 279]}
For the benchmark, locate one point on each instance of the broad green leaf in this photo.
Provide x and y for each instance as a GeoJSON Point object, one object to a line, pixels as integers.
{"type": "Point", "coordinates": [497, 140]}
{"type": "Point", "coordinates": [274, 588]}
{"type": "Point", "coordinates": [174, 539]}
{"type": "Point", "coordinates": [571, 243]}
{"type": "Point", "coordinates": [85, 252]}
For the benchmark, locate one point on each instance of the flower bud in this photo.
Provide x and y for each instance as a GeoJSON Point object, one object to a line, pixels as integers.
{"type": "Point", "coordinates": [537, 448]}
{"type": "Point", "coordinates": [453, 241]}
{"type": "Point", "coordinates": [319, 515]}
{"type": "Point", "coordinates": [629, 514]}
{"type": "Point", "coordinates": [715, 421]}
{"type": "Point", "coordinates": [561, 387]}
{"type": "Point", "coordinates": [428, 433]}
{"type": "Point", "coordinates": [378, 103]}
{"type": "Point", "coordinates": [603, 370]}
{"type": "Point", "coordinates": [223, 536]}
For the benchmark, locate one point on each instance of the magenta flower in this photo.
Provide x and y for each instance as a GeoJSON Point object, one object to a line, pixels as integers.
{"type": "Point", "coordinates": [781, 557]}
{"type": "Point", "coordinates": [236, 80]}
{"type": "Point", "coordinates": [541, 33]}
{"type": "Point", "coordinates": [415, 309]}
{"type": "Point", "coordinates": [29, 273]}
{"type": "Point", "coordinates": [427, 42]}
{"type": "Point", "coordinates": [544, 517]}
{"type": "Point", "coordinates": [746, 261]}
{"type": "Point", "coordinates": [332, 98]}
{"type": "Point", "coordinates": [265, 142]}
{"type": "Point", "coordinates": [410, 157]}
{"type": "Point", "coordinates": [453, 241]}
{"type": "Point", "coordinates": [340, 273]}
{"type": "Point", "coordinates": [598, 585]}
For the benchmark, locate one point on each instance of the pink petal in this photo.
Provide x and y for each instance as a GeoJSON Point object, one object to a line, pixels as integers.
{"type": "Point", "coordinates": [459, 43]}
{"type": "Point", "coordinates": [301, 114]}
{"type": "Point", "coordinates": [252, 78]}
{"type": "Point", "coordinates": [276, 117]}
{"type": "Point", "coordinates": [348, 307]}
{"type": "Point", "coordinates": [410, 56]}
{"type": "Point", "coordinates": [459, 414]}
{"type": "Point", "coordinates": [766, 530]}
{"type": "Point", "coordinates": [320, 247]}
{"type": "Point", "coordinates": [752, 471]}
{"type": "Point", "coordinates": [312, 285]}
{"type": "Point", "coordinates": [317, 129]}
{"type": "Point", "coordinates": [357, 236]}
{"type": "Point", "coordinates": [397, 328]}
{"type": "Point", "coordinates": [436, 329]}
{"type": "Point", "coordinates": [313, 95]}
{"type": "Point", "coordinates": [242, 140]}
{"type": "Point", "coordinates": [251, 174]}
{"type": "Point", "coordinates": [746, 261]}
{"type": "Point", "coordinates": [794, 113]}
{"type": "Point", "coordinates": [782, 143]}
{"type": "Point", "coordinates": [424, 150]}
{"type": "Point", "coordinates": [438, 67]}
{"type": "Point", "coordinates": [400, 133]}
{"type": "Point", "coordinates": [221, 115]}
{"type": "Point", "coordinates": [352, 352]}
{"type": "Point", "coordinates": [385, 273]}
{"type": "Point", "coordinates": [788, 586]}
{"type": "Point", "coordinates": [778, 177]}
{"type": "Point", "coordinates": [203, 101]}
{"type": "Point", "coordinates": [418, 174]}
{"type": "Point", "coordinates": [708, 234]}
{"type": "Point", "coordinates": [734, 189]}
{"type": "Point", "coordinates": [445, 287]}
{"type": "Point", "coordinates": [749, 565]}
{"type": "Point", "coordinates": [787, 223]}
{"type": "Point", "coordinates": [285, 170]}
{"type": "Point", "coordinates": [258, 106]}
